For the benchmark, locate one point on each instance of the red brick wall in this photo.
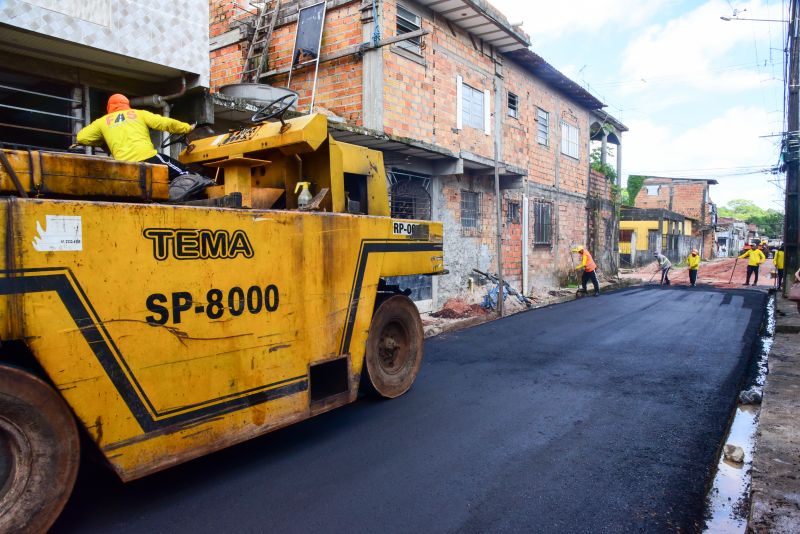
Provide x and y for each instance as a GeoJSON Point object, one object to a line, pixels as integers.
{"type": "Point", "coordinates": [227, 63]}
{"type": "Point", "coordinates": [688, 198]}
{"type": "Point", "coordinates": [339, 82]}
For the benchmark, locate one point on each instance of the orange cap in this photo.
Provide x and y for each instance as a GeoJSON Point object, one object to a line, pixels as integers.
{"type": "Point", "coordinates": [117, 102]}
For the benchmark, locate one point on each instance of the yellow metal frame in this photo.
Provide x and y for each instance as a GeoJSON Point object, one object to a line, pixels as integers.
{"type": "Point", "coordinates": [172, 331]}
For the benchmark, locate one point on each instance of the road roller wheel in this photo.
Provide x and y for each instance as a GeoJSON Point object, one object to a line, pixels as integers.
{"type": "Point", "coordinates": [394, 347]}
{"type": "Point", "coordinates": [39, 452]}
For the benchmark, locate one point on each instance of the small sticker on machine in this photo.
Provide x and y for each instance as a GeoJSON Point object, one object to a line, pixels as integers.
{"type": "Point", "coordinates": [410, 229]}
{"type": "Point", "coordinates": [61, 233]}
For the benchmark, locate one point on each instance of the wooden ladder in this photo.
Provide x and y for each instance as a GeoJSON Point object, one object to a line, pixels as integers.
{"type": "Point", "coordinates": [256, 61]}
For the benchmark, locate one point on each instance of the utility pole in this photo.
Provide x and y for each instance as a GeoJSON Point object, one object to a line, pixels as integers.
{"type": "Point", "coordinates": [791, 236]}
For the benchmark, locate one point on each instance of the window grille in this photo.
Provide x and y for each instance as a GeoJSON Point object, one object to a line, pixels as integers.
{"type": "Point", "coordinates": [512, 215]}
{"type": "Point", "coordinates": [542, 223]}
{"type": "Point", "coordinates": [470, 212]}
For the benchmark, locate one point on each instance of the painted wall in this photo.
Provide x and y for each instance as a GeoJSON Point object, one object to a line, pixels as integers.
{"type": "Point", "coordinates": [642, 227]}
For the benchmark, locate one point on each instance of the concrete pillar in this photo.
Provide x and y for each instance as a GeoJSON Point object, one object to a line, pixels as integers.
{"type": "Point", "coordinates": [604, 149]}
{"type": "Point", "coordinates": [372, 65]}
{"type": "Point", "coordinates": [619, 164]}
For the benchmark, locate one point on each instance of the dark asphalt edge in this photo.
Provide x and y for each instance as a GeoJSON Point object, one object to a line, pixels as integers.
{"type": "Point", "coordinates": [755, 348]}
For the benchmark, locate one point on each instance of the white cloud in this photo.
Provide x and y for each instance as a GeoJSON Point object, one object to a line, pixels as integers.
{"type": "Point", "coordinates": [694, 51]}
{"type": "Point", "coordinates": [549, 20]}
{"type": "Point", "coordinates": [720, 148]}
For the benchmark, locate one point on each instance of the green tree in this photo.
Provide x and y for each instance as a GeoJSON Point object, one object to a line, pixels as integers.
{"type": "Point", "coordinates": [634, 186]}
{"type": "Point", "coordinates": [604, 168]}
{"type": "Point", "coordinates": [769, 221]}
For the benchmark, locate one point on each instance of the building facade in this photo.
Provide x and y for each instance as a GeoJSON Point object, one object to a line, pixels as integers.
{"type": "Point", "coordinates": [731, 236]}
{"type": "Point", "coordinates": [462, 98]}
{"type": "Point", "coordinates": [689, 197]}
{"type": "Point", "coordinates": [645, 231]}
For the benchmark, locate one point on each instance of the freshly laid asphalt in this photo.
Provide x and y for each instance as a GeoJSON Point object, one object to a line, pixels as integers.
{"type": "Point", "coordinates": [598, 415]}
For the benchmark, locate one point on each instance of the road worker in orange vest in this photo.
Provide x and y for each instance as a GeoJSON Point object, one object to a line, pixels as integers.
{"type": "Point", "coordinates": [589, 269]}
{"type": "Point", "coordinates": [756, 258]}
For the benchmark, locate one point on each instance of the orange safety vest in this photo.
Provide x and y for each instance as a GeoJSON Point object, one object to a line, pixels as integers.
{"type": "Point", "coordinates": [587, 262]}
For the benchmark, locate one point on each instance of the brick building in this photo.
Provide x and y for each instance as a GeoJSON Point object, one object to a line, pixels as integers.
{"type": "Point", "coordinates": [688, 196]}
{"type": "Point", "coordinates": [461, 99]}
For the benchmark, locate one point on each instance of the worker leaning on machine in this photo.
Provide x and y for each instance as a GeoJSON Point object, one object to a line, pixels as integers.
{"type": "Point", "coordinates": [126, 131]}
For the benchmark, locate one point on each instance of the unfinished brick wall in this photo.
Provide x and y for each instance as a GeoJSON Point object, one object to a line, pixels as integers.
{"type": "Point", "coordinates": [408, 86]}
{"type": "Point", "coordinates": [339, 82]}
{"type": "Point", "coordinates": [464, 248]}
{"type": "Point", "coordinates": [686, 198]}
{"type": "Point", "coordinates": [227, 63]}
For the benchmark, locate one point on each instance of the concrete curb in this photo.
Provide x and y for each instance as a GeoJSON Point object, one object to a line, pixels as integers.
{"type": "Point", "coordinates": [775, 500]}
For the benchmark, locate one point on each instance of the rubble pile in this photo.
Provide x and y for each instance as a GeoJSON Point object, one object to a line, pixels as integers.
{"type": "Point", "coordinates": [458, 309]}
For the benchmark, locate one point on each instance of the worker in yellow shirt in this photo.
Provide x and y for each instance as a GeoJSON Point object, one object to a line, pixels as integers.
{"type": "Point", "coordinates": [693, 261]}
{"type": "Point", "coordinates": [126, 131]}
{"type": "Point", "coordinates": [778, 260]}
{"type": "Point", "coordinates": [756, 258]}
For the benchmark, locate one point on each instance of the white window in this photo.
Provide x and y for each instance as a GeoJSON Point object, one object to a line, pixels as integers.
{"type": "Point", "coordinates": [408, 22]}
{"type": "Point", "coordinates": [542, 127]}
{"type": "Point", "coordinates": [652, 190]}
{"type": "Point", "coordinates": [472, 107]}
{"type": "Point", "coordinates": [569, 140]}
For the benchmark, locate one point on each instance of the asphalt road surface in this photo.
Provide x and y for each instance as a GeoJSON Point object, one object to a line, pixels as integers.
{"type": "Point", "coordinates": [598, 415]}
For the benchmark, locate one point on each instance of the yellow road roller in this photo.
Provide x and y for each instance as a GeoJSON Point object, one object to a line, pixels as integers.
{"type": "Point", "coordinates": [166, 331]}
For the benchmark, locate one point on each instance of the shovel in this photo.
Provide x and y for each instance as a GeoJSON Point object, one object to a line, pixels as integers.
{"type": "Point", "coordinates": [734, 270]}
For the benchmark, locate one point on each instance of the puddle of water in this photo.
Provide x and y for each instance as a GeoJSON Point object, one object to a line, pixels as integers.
{"type": "Point", "coordinates": [729, 498]}
{"type": "Point", "coordinates": [728, 502]}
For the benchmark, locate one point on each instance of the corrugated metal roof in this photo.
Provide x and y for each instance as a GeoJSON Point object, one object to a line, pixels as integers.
{"type": "Point", "coordinates": [535, 64]}
{"type": "Point", "coordinates": [482, 20]}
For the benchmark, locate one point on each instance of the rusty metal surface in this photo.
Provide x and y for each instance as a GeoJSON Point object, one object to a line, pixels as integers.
{"type": "Point", "coordinates": [75, 175]}
{"type": "Point", "coordinates": [172, 331]}
{"type": "Point", "coordinates": [164, 346]}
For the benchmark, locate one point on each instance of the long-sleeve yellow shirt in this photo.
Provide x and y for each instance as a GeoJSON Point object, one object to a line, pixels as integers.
{"type": "Point", "coordinates": [756, 257]}
{"type": "Point", "coordinates": [778, 259]}
{"type": "Point", "coordinates": [693, 260]}
{"type": "Point", "coordinates": [127, 133]}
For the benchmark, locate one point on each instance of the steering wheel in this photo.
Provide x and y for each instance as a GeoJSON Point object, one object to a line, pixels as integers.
{"type": "Point", "coordinates": [276, 108]}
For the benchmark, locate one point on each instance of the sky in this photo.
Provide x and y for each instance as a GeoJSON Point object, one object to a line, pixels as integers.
{"type": "Point", "coordinates": [702, 97]}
